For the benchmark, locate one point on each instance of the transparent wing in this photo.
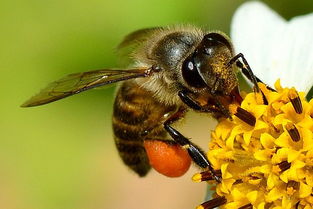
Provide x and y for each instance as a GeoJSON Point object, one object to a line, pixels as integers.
{"type": "Point", "coordinates": [132, 42]}
{"type": "Point", "coordinates": [137, 37]}
{"type": "Point", "coordinates": [79, 82]}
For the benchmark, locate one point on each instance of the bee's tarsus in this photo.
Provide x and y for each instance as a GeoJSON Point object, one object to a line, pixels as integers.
{"type": "Point", "coordinates": [246, 70]}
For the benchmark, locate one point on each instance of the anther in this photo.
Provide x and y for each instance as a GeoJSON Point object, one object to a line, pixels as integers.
{"type": "Point", "coordinates": [265, 101]}
{"type": "Point", "coordinates": [295, 100]}
{"type": "Point", "coordinates": [292, 187]}
{"type": "Point", "coordinates": [297, 204]}
{"type": "Point", "coordinates": [247, 206]}
{"type": "Point", "coordinates": [238, 181]}
{"type": "Point", "coordinates": [206, 176]}
{"type": "Point", "coordinates": [216, 202]}
{"type": "Point", "coordinates": [243, 115]}
{"type": "Point", "coordinates": [268, 205]}
{"type": "Point", "coordinates": [284, 165]}
{"type": "Point", "coordinates": [254, 177]}
{"type": "Point", "coordinates": [293, 132]}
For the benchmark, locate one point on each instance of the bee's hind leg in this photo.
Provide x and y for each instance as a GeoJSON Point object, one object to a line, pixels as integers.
{"type": "Point", "coordinates": [196, 154]}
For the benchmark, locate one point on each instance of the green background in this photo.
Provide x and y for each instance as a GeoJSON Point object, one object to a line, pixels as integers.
{"type": "Point", "coordinates": [62, 156]}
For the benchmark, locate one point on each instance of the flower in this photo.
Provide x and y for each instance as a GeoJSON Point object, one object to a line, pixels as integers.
{"type": "Point", "coordinates": [270, 164]}
{"type": "Point", "coordinates": [267, 163]}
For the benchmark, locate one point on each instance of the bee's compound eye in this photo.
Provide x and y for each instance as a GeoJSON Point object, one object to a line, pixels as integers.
{"type": "Point", "coordinates": [169, 159]}
{"type": "Point", "coordinates": [191, 74]}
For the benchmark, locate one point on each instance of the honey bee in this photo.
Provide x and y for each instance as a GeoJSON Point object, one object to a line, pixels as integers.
{"type": "Point", "coordinates": [173, 70]}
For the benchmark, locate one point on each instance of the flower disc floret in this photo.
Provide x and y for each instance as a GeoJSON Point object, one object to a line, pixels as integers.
{"type": "Point", "coordinates": [270, 164]}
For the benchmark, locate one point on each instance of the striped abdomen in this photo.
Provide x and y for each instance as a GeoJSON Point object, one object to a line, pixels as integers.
{"type": "Point", "coordinates": [137, 116]}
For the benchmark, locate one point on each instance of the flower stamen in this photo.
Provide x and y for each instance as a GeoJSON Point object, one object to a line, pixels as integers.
{"type": "Point", "coordinates": [238, 181]}
{"type": "Point", "coordinates": [284, 165]}
{"type": "Point", "coordinates": [268, 205]}
{"type": "Point", "coordinates": [293, 132]}
{"type": "Point", "coordinates": [216, 202]}
{"type": "Point", "coordinates": [243, 114]}
{"type": "Point", "coordinates": [268, 165]}
{"type": "Point", "coordinates": [295, 100]}
{"type": "Point", "coordinates": [247, 206]}
{"type": "Point", "coordinates": [206, 176]}
{"type": "Point", "coordinates": [297, 204]}
{"type": "Point", "coordinates": [292, 187]}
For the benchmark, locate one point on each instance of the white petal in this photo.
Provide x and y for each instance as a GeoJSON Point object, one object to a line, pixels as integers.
{"type": "Point", "coordinates": [297, 53]}
{"type": "Point", "coordinates": [252, 32]}
{"type": "Point", "coordinates": [273, 47]}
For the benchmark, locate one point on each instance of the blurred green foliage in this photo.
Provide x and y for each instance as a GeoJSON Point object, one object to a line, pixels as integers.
{"type": "Point", "coordinates": [47, 153]}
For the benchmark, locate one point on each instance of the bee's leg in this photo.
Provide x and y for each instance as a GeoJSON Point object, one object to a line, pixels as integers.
{"type": "Point", "coordinates": [218, 103]}
{"type": "Point", "coordinates": [222, 108]}
{"type": "Point", "coordinates": [184, 95]}
{"type": "Point", "coordinates": [245, 72]}
{"type": "Point", "coordinates": [245, 67]}
{"type": "Point", "coordinates": [196, 154]}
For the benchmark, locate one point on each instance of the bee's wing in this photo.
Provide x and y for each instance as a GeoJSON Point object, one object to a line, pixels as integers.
{"type": "Point", "coordinates": [79, 82]}
{"type": "Point", "coordinates": [133, 42]}
{"type": "Point", "coordinates": [137, 37]}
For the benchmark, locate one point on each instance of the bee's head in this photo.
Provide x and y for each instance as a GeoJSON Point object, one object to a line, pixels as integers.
{"type": "Point", "coordinates": [207, 67]}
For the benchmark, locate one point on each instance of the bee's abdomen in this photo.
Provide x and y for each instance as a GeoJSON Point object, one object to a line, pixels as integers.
{"type": "Point", "coordinates": [136, 116]}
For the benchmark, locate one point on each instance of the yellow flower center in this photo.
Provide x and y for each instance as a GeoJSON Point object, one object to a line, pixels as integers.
{"type": "Point", "coordinates": [266, 163]}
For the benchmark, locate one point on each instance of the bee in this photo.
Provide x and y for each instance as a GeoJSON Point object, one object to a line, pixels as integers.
{"type": "Point", "coordinates": [173, 70]}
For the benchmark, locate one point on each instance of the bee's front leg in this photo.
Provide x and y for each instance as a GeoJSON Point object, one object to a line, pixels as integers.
{"type": "Point", "coordinates": [246, 70]}
{"type": "Point", "coordinates": [185, 97]}
{"type": "Point", "coordinates": [218, 109]}
{"type": "Point", "coordinates": [196, 154]}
